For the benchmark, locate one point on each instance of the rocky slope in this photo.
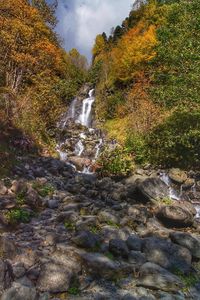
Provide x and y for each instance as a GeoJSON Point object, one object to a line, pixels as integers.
{"type": "Point", "coordinates": [66, 235]}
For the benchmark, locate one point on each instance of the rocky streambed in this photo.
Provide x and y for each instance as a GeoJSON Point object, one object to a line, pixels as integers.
{"type": "Point", "coordinates": [68, 235]}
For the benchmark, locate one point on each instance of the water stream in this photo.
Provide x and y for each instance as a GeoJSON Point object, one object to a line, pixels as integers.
{"type": "Point", "coordinates": [82, 140]}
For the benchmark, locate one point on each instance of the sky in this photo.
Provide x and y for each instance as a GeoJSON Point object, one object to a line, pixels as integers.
{"type": "Point", "coordinates": [81, 20]}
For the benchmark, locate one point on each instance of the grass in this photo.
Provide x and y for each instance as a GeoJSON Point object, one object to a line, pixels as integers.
{"type": "Point", "coordinates": [43, 190]}
{"type": "Point", "coordinates": [166, 201]}
{"type": "Point", "coordinates": [109, 255]}
{"type": "Point", "coordinates": [17, 215]}
{"type": "Point", "coordinates": [69, 225]}
{"type": "Point", "coordinates": [20, 198]}
{"type": "Point", "coordinates": [111, 223]}
{"type": "Point", "coordinates": [189, 280]}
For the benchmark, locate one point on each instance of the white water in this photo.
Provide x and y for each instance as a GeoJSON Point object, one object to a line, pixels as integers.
{"type": "Point", "coordinates": [79, 148]}
{"type": "Point", "coordinates": [85, 116]}
{"type": "Point", "coordinates": [98, 148]}
{"type": "Point", "coordinates": [174, 194]}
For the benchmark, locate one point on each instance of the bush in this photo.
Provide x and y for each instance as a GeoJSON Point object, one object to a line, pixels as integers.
{"type": "Point", "coordinates": [176, 142]}
{"type": "Point", "coordinates": [18, 215]}
{"type": "Point", "coordinates": [118, 162]}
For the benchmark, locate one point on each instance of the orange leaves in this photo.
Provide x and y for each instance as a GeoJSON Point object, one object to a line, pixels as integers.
{"type": "Point", "coordinates": [134, 49]}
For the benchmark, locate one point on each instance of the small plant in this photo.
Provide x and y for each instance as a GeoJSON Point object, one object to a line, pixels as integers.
{"type": "Point", "coordinates": [109, 255]}
{"type": "Point", "coordinates": [94, 229]}
{"type": "Point", "coordinates": [69, 225]}
{"type": "Point", "coordinates": [18, 215]}
{"type": "Point", "coordinates": [167, 201]}
{"type": "Point", "coordinates": [73, 291]}
{"type": "Point", "coordinates": [111, 223]}
{"type": "Point", "coordinates": [20, 199]}
{"type": "Point", "coordinates": [43, 190]}
{"type": "Point", "coordinates": [189, 280]}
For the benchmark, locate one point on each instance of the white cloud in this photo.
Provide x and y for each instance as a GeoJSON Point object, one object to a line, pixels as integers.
{"type": "Point", "coordinates": [81, 20]}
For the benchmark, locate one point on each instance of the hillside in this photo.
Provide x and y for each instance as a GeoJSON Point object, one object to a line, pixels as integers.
{"type": "Point", "coordinates": [147, 83]}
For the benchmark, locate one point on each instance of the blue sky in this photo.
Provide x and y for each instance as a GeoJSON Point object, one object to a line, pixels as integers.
{"type": "Point", "coordinates": [81, 20]}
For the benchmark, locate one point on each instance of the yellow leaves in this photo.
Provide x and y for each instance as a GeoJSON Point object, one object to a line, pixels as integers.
{"type": "Point", "coordinates": [135, 48]}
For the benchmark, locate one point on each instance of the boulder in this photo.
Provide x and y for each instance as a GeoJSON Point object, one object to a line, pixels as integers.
{"type": "Point", "coordinates": [6, 275]}
{"type": "Point", "coordinates": [155, 277]}
{"type": "Point", "coordinates": [79, 162]}
{"type": "Point", "coordinates": [102, 266]}
{"type": "Point", "coordinates": [3, 188]}
{"type": "Point", "coordinates": [134, 243]}
{"type": "Point", "coordinates": [167, 254]}
{"type": "Point", "coordinates": [188, 241]}
{"type": "Point", "coordinates": [136, 258]}
{"type": "Point", "coordinates": [19, 292]}
{"type": "Point", "coordinates": [175, 216]}
{"type": "Point", "coordinates": [119, 248]}
{"type": "Point", "coordinates": [177, 176]}
{"type": "Point", "coordinates": [86, 239]}
{"type": "Point", "coordinates": [107, 217]}
{"type": "Point", "coordinates": [151, 189]}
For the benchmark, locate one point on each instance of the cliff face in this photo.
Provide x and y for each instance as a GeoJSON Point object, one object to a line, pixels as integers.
{"type": "Point", "coordinates": [147, 82]}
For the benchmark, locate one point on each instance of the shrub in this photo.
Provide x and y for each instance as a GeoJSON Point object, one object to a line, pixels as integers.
{"type": "Point", "coordinates": [18, 215]}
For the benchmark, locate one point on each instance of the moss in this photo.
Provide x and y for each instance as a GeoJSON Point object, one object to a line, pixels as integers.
{"type": "Point", "coordinates": [43, 190]}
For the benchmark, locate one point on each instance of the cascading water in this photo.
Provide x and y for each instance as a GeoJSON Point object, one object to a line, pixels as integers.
{"type": "Point", "coordinates": [85, 117]}
{"type": "Point", "coordinates": [177, 195]}
{"type": "Point", "coordinates": [85, 142]}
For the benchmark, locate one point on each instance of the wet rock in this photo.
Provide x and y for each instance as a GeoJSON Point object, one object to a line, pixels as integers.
{"type": "Point", "coordinates": [188, 241]}
{"type": "Point", "coordinates": [150, 189]}
{"type": "Point", "coordinates": [153, 276]}
{"type": "Point", "coordinates": [177, 176]}
{"type": "Point", "coordinates": [168, 255]}
{"type": "Point", "coordinates": [118, 248]}
{"type": "Point", "coordinates": [86, 239]}
{"type": "Point", "coordinates": [19, 292]}
{"type": "Point", "coordinates": [134, 243]}
{"type": "Point", "coordinates": [175, 216]}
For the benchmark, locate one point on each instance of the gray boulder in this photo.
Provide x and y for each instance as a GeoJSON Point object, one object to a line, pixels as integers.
{"type": "Point", "coordinates": [188, 241]}
{"type": "Point", "coordinates": [86, 239]}
{"type": "Point", "coordinates": [134, 242]}
{"type": "Point", "coordinates": [19, 292]}
{"type": "Point", "coordinates": [155, 277]}
{"type": "Point", "coordinates": [175, 216]}
{"type": "Point", "coordinates": [166, 254]}
{"type": "Point", "coordinates": [118, 248]}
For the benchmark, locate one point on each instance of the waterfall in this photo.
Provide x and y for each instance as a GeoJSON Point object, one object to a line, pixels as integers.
{"type": "Point", "coordinates": [85, 116]}
{"type": "Point", "coordinates": [80, 143]}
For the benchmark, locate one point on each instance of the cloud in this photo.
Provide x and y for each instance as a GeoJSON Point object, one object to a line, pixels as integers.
{"type": "Point", "coordinates": [81, 20]}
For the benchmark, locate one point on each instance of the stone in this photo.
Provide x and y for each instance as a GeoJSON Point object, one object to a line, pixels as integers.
{"type": "Point", "coordinates": [101, 266]}
{"type": "Point", "coordinates": [18, 186]}
{"type": "Point", "coordinates": [18, 270]}
{"type": "Point", "coordinates": [155, 277]}
{"type": "Point", "coordinates": [8, 249]}
{"type": "Point", "coordinates": [6, 275]}
{"type": "Point", "coordinates": [110, 232]}
{"type": "Point", "coordinates": [151, 189]}
{"type": "Point", "coordinates": [107, 217]}
{"type": "Point", "coordinates": [177, 176]}
{"type": "Point", "coordinates": [175, 216]}
{"type": "Point", "coordinates": [52, 204]}
{"type": "Point", "coordinates": [86, 239]}
{"type": "Point", "coordinates": [118, 248]}
{"type": "Point", "coordinates": [3, 188]}
{"type": "Point", "coordinates": [32, 198]}
{"type": "Point", "coordinates": [134, 243]}
{"type": "Point", "coordinates": [188, 241]}
{"type": "Point", "coordinates": [19, 292]}
{"type": "Point", "coordinates": [167, 254]}
{"type": "Point", "coordinates": [54, 278]}
{"type": "Point", "coordinates": [136, 258]}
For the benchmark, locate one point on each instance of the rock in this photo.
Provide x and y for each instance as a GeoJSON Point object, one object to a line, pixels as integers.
{"type": "Point", "coordinates": [79, 162]}
{"type": "Point", "coordinates": [188, 241]}
{"type": "Point", "coordinates": [18, 270]}
{"type": "Point", "coordinates": [107, 217]}
{"type": "Point", "coordinates": [86, 239]}
{"type": "Point", "coordinates": [186, 205]}
{"type": "Point", "coordinates": [3, 188]}
{"type": "Point", "coordinates": [134, 243]}
{"type": "Point", "coordinates": [166, 254]}
{"type": "Point", "coordinates": [18, 186]}
{"type": "Point", "coordinates": [177, 176]}
{"type": "Point", "coordinates": [118, 248]}
{"type": "Point", "coordinates": [109, 232]}
{"type": "Point", "coordinates": [19, 292]}
{"type": "Point", "coordinates": [150, 189]}
{"type": "Point", "coordinates": [54, 278]}
{"type": "Point", "coordinates": [52, 204]}
{"type": "Point", "coordinates": [136, 258]}
{"type": "Point", "coordinates": [32, 198]}
{"type": "Point", "coordinates": [175, 216]}
{"type": "Point", "coordinates": [101, 266]}
{"type": "Point", "coordinates": [188, 184]}
{"type": "Point", "coordinates": [155, 277]}
{"type": "Point", "coordinates": [8, 248]}
{"type": "Point", "coordinates": [6, 275]}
